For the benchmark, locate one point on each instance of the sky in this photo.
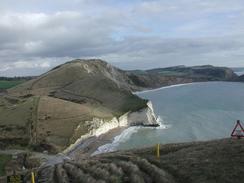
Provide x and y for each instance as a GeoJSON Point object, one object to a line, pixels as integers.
{"type": "Point", "coordinates": [36, 35]}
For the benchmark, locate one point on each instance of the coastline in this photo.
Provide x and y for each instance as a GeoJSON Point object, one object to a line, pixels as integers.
{"type": "Point", "coordinates": [169, 86]}
{"type": "Point", "coordinates": [103, 148]}
{"type": "Point", "coordinates": [178, 85]}
{"type": "Point", "coordinates": [106, 142]}
{"type": "Point", "coordinates": [101, 144]}
{"type": "Point", "coordinates": [88, 146]}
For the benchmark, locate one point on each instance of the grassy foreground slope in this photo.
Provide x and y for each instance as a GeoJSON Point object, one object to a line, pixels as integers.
{"type": "Point", "coordinates": [16, 120]}
{"type": "Point", "coordinates": [220, 161]}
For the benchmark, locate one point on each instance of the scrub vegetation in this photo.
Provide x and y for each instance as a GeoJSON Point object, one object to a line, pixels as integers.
{"type": "Point", "coordinates": [219, 161]}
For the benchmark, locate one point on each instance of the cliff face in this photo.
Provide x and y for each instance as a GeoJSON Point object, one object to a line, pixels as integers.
{"type": "Point", "coordinates": [145, 116]}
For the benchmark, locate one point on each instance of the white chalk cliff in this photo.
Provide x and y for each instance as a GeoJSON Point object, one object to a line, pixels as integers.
{"type": "Point", "coordinates": [145, 116]}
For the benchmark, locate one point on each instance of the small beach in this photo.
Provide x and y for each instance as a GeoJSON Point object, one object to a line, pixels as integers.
{"type": "Point", "coordinates": [88, 146]}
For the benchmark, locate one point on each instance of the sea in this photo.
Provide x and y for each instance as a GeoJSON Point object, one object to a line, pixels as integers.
{"type": "Point", "coordinates": [186, 113]}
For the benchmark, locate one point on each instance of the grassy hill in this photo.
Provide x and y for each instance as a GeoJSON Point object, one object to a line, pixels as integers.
{"type": "Point", "coordinates": [84, 81]}
{"type": "Point", "coordinates": [219, 161]}
{"type": "Point", "coordinates": [53, 110]}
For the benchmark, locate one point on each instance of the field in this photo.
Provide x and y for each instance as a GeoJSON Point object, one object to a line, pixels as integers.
{"type": "Point", "coordinates": [45, 122]}
{"type": "Point", "coordinates": [61, 122]}
{"type": "Point", "coordinates": [9, 84]}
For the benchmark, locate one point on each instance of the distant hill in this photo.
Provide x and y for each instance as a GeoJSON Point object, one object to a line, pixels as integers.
{"type": "Point", "coordinates": [9, 82]}
{"type": "Point", "coordinates": [237, 69]}
{"type": "Point", "coordinates": [159, 77]}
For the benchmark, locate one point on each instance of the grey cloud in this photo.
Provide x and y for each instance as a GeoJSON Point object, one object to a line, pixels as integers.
{"type": "Point", "coordinates": [143, 54]}
{"type": "Point", "coordinates": [38, 40]}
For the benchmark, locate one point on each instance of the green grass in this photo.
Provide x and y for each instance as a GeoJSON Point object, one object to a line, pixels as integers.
{"type": "Point", "coordinates": [9, 84]}
{"type": "Point", "coordinates": [133, 104]}
{"type": "Point", "coordinates": [3, 160]}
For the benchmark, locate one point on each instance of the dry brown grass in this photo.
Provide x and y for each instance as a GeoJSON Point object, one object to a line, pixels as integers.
{"type": "Point", "coordinates": [219, 161]}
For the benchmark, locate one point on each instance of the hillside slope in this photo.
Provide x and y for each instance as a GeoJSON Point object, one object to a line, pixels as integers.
{"type": "Point", "coordinates": [85, 81]}
{"type": "Point", "coordinates": [16, 116]}
{"type": "Point", "coordinates": [219, 161]}
{"type": "Point", "coordinates": [78, 99]}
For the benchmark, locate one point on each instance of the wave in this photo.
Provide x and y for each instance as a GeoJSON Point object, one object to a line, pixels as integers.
{"type": "Point", "coordinates": [161, 123]}
{"type": "Point", "coordinates": [124, 136]}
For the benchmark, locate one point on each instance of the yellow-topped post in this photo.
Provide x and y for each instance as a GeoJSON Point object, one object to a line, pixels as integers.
{"type": "Point", "coordinates": [157, 150]}
{"type": "Point", "coordinates": [32, 177]}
